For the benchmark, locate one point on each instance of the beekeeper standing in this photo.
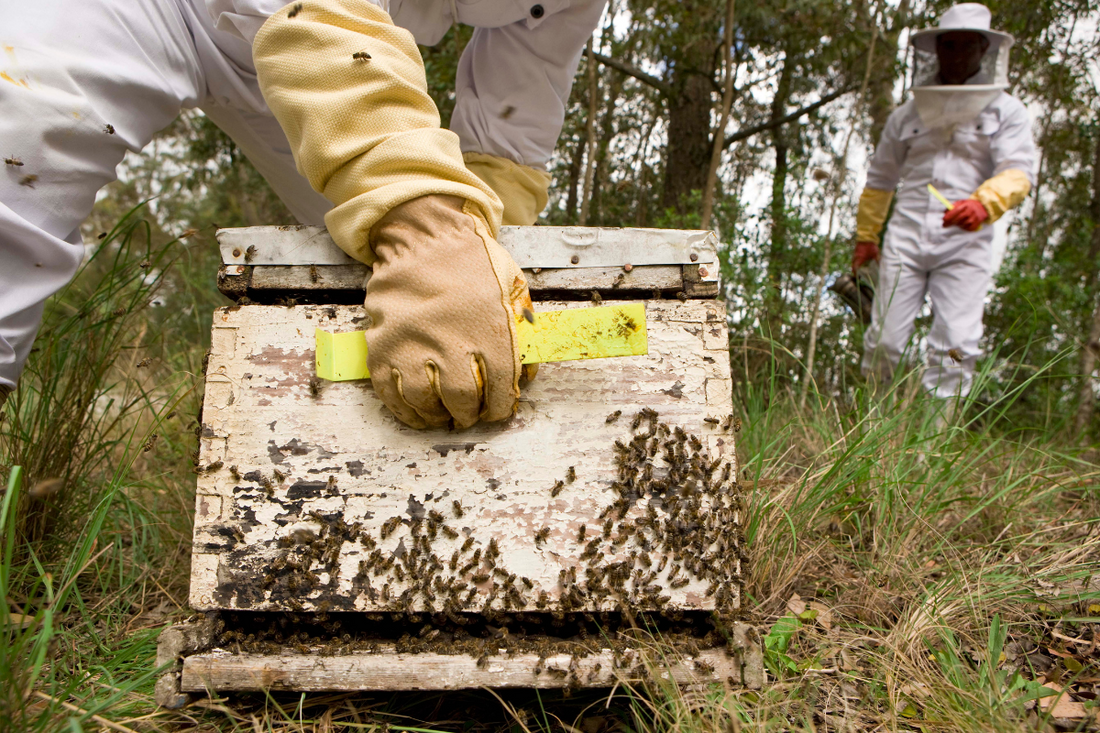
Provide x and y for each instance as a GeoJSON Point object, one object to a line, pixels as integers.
{"type": "Point", "coordinates": [328, 98]}
{"type": "Point", "coordinates": [964, 135]}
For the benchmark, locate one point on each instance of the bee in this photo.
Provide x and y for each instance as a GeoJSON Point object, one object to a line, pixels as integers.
{"type": "Point", "coordinates": [597, 298]}
{"type": "Point", "coordinates": [581, 532]}
{"type": "Point", "coordinates": [467, 544]}
{"type": "Point", "coordinates": [541, 536]}
{"type": "Point", "coordinates": [571, 474]}
{"type": "Point", "coordinates": [507, 112]}
{"type": "Point", "coordinates": [361, 56]}
{"type": "Point", "coordinates": [238, 534]}
{"type": "Point", "coordinates": [150, 444]}
{"type": "Point", "coordinates": [476, 557]}
{"type": "Point", "coordinates": [389, 526]}
{"type": "Point", "coordinates": [703, 667]}
{"type": "Point", "coordinates": [479, 578]}
{"type": "Point", "coordinates": [682, 296]}
{"type": "Point", "coordinates": [315, 386]}
{"type": "Point", "coordinates": [636, 422]}
{"type": "Point", "coordinates": [529, 316]}
{"type": "Point", "coordinates": [619, 281]}
{"type": "Point", "coordinates": [399, 573]}
{"type": "Point", "coordinates": [737, 425]}
{"type": "Point", "coordinates": [494, 548]}
{"type": "Point", "coordinates": [313, 276]}
{"type": "Point", "coordinates": [456, 505]}
{"type": "Point", "coordinates": [613, 417]}
{"type": "Point", "coordinates": [449, 533]}
{"type": "Point", "coordinates": [558, 486]}
{"type": "Point", "coordinates": [435, 516]}
{"type": "Point", "coordinates": [28, 180]}
{"type": "Point", "coordinates": [607, 528]}
{"type": "Point", "coordinates": [109, 129]}
{"type": "Point", "coordinates": [13, 161]}
{"type": "Point", "coordinates": [188, 233]}
{"type": "Point", "coordinates": [386, 593]}
{"type": "Point", "coordinates": [955, 355]}
{"type": "Point", "coordinates": [250, 253]}
{"type": "Point", "coordinates": [294, 10]}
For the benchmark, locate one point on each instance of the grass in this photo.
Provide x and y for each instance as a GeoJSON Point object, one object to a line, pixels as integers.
{"type": "Point", "coordinates": [906, 574]}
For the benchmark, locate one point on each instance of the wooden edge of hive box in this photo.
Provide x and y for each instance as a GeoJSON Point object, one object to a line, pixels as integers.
{"type": "Point", "coordinates": [302, 264]}
{"type": "Point", "coordinates": [613, 486]}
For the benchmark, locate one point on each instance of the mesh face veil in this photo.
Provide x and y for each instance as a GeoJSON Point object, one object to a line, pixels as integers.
{"type": "Point", "coordinates": [943, 98]}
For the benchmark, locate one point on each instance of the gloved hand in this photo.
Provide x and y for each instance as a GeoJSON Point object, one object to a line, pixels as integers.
{"type": "Point", "coordinates": [865, 252]}
{"type": "Point", "coordinates": [442, 300]}
{"type": "Point", "coordinates": [522, 189]}
{"type": "Point", "coordinates": [968, 214]}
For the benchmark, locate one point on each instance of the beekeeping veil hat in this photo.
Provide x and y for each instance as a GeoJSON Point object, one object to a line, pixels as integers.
{"type": "Point", "coordinates": [946, 105]}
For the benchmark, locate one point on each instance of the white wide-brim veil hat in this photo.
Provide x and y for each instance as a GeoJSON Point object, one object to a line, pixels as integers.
{"type": "Point", "coordinates": [948, 105]}
{"type": "Point", "coordinates": [962, 17]}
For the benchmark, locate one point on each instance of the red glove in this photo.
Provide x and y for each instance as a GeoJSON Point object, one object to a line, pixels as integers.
{"type": "Point", "coordinates": [865, 252]}
{"type": "Point", "coordinates": [968, 214]}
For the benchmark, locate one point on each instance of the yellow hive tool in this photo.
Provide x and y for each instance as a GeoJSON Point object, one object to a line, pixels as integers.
{"type": "Point", "coordinates": [565, 335]}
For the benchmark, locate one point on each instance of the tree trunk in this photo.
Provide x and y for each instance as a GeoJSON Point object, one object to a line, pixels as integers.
{"type": "Point", "coordinates": [880, 91]}
{"type": "Point", "coordinates": [778, 209]}
{"type": "Point", "coordinates": [1091, 348]}
{"type": "Point", "coordinates": [711, 186]}
{"type": "Point", "coordinates": [575, 166]}
{"type": "Point", "coordinates": [607, 132]}
{"type": "Point", "coordinates": [590, 135]}
{"type": "Point", "coordinates": [691, 82]}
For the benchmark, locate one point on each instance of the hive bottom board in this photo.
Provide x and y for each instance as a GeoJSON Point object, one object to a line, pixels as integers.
{"type": "Point", "coordinates": [319, 667]}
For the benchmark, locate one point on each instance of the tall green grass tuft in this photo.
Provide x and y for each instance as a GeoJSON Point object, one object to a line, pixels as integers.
{"type": "Point", "coordinates": [79, 538]}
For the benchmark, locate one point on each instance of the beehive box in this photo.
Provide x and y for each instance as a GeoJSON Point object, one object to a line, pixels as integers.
{"type": "Point", "coordinates": [612, 490]}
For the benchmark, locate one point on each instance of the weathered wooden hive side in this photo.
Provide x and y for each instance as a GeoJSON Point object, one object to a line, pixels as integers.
{"type": "Point", "coordinates": [312, 497]}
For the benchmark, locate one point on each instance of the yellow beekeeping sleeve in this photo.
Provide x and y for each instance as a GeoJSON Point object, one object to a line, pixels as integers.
{"type": "Point", "coordinates": [874, 205]}
{"type": "Point", "coordinates": [349, 91]}
{"type": "Point", "coordinates": [522, 189]}
{"type": "Point", "coordinates": [1002, 192]}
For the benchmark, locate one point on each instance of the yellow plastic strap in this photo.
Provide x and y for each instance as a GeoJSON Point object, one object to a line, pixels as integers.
{"type": "Point", "coordinates": [565, 335]}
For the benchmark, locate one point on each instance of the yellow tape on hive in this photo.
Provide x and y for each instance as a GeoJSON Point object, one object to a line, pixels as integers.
{"type": "Point", "coordinates": [564, 335]}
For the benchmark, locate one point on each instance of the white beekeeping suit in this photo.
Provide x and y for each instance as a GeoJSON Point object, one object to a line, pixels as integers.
{"type": "Point", "coordinates": [81, 83]}
{"type": "Point", "coordinates": [972, 141]}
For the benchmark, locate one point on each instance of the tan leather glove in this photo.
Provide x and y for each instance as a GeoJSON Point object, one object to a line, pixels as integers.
{"type": "Point", "coordinates": [443, 300]}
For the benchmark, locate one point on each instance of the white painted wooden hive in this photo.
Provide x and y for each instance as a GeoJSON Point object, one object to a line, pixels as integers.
{"type": "Point", "coordinates": [612, 488]}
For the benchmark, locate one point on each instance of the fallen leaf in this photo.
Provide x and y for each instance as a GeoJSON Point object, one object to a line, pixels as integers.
{"type": "Point", "coordinates": [824, 615]}
{"type": "Point", "coordinates": [796, 605]}
{"type": "Point", "coordinates": [1066, 709]}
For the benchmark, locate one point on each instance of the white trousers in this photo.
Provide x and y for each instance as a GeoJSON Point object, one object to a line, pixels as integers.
{"type": "Point", "coordinates": [70, 69]}
{"type": "Point", "coordinates": [953, 268]}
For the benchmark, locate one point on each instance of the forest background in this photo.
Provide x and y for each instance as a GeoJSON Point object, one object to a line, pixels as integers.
{"type": "Point", "coordinates": [770, 151]}
{"type": "Point", "coordinates": [903, 574]}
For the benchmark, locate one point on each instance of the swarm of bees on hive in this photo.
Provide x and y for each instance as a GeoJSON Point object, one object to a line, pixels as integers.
{"type": "Point", "coordinates": [674, 522]}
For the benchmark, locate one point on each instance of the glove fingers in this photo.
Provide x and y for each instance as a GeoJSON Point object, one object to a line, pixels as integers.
{"type": "Point", "coordinates": [389, 386]}
{"type": "Point", "coordinates": [499, 402]}
{"type": "Point", "coordinates": [460, 391]}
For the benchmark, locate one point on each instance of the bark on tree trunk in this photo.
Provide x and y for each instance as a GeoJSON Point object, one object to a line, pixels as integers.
{"type": "Point", "coordinates": [590, 135]}
{"type": "Point", "coordinates": [575, 167]}
{"type": "Point", "coordinates": [776, 255]}
{"type": "Point", "coordinates": [880, 90]}
{"type": "Point", "coordinates": [711, 186]}
{"type": "Point", "coordinates": [607, 132]}
{"type": "Point", "coordinates": [1091, 349]}
{"type": "Point", "coordinates": [689, 105]}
